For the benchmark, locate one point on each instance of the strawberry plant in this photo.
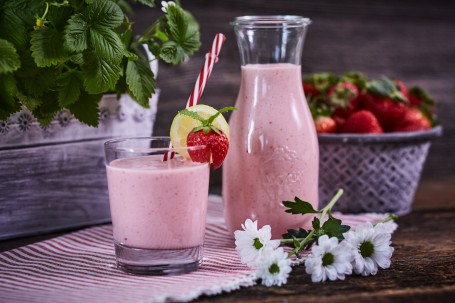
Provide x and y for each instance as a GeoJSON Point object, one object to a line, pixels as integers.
{"type": "Point", "coordinates": [66, 53]}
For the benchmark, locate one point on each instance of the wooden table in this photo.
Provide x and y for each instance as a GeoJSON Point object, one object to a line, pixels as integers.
{"type": "Point", "coordinates": [423, 265]}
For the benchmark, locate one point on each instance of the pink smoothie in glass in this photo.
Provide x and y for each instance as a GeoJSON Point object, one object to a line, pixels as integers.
{"type": "Point", "coordinates": [273, 154]}
{"type": "Point", "coordinates": [156, 204]}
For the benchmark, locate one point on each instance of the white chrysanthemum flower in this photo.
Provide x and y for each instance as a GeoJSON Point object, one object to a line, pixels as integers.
{"type": "Point", "coordinates": [370, 248]}
{"type": "Point", "coordinates": [275, 267]}
{"type": "Point", "coordinates": [165, 4]}
{"type": "Point", "coordinates": [251, 243]}
{"type": "Point", "coordinates": [329, 260]}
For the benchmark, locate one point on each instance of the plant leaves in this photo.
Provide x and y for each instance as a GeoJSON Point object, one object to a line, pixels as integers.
{"type": "Point", "coordinates": [9, 59]}
{"type": "Point", "coordinates": [47, 47]}
{"type": "Point", "coordinates": [8, 102]}
{"type": "Point", "coordinates": [299, 207]}
{"type": "Point", "coordinates": [76, 34]}
{"type": "Point", "coordinates": [86, 109]}
{"type": "Point", "coordinates": [12, 27]}
{"type": "Point", "coordinates": [172, 53]}
{"type": "Point", "coordinates": [99, 75]}
{"type": "Point", "coordinates": [103, 13]}
{"type": "Point", "coordinates": [149, 3]}
{"type": "Point", "coordinates": [38, 84]}
{"type": "Point", "coordinates": [69, 87]}
{"type": "Point", "coordinates": [316, 224]}
{"type": "Point", "coordinates": [47, 109]}
{"type": "Point", "coordinates": [333, 228]}
{"type": "Point", "coordinates": [295, 234]}
{"type": "Point", "coordinates": [106, 43]}
{"type": "Point", "coordinates": [191, 114]}
{"type": "Point", "coordinates": [141, 81]}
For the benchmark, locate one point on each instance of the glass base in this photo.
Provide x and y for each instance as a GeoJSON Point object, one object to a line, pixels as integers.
{"type": "Point", "coordinates": [158, 262]}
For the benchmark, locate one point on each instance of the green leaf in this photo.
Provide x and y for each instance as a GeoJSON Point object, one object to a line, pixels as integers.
{"type": "Point", "coordinates": [69, 87]}
{"type": "Point", "coordinates": [140, 80]}
{"type": "Point", "coordinates": [39, 84]}
{"type": "Point", "coordinates": [47, 47]}
{"type": "Point", "coordinates": [103, 13]}
{"type": "Point", "coordinates": [316, 224]}
{"type": "Point", "coordinates": [99, 75]}
{"type": "Point", "coordinates": [321, 81]}
{"type": "Point", "coordinates": [58, 16]}
{"type": "Point", "coordinates": [86, 109]}
{"type": "Point", "coordinates": [293, 234]}
{"type": "Point", "coordinates": [191, 114]}
{"type": "Point", "coordinates": [299, 207]}
{"type": "Point", "coordinates": [76, 34]}
{"type": "Point", "coordinates": [385, 87]}
{"type": "Point", "coordinates": [223, 110]}
{"type": "Point", "coordinates": [12, 28]}
{"type": "Point", "coordinates": [8, 101]}
{"type": "Point", "coordinates": [183, 28]}
{"type": "Point", "coordinates": [149, 3]}
{"type": "Point", "coordinates": [47, 108]}
{"type": "Point", "coordinates": [9, 59]}
{"type": "Point", "coordinates": [172, 53]}
{"type": "Point", "coordinates": [356, 78]}
{"type": "Point", "coordinates": [333, 228]}
{"type": "Point", "coordinates": [106, 43]}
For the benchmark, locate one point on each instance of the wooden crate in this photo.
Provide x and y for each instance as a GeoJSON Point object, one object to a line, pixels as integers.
{"type": "Point", "coordinates": [54, 178]}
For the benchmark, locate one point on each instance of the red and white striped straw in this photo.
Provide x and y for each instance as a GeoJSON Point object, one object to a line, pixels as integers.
{"type": "Point", "coordinates": [210, 59]}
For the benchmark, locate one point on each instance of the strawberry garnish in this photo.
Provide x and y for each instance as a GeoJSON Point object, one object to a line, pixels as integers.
{"type": "Point", "coordinates": [215, 141]}
{"type": "Point", "coordinates": [362, 122]}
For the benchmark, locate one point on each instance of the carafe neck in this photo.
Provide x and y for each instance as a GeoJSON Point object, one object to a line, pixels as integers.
{"type": "Point", "coordinates": [270, 39]}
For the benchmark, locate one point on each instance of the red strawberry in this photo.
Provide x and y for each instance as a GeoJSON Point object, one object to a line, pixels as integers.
{"type": "Point", "coordinates": [345, 97]}
{"type": "Point", "coordinates": [325, 125]}
{"type": "Point", "coordinates": [387, 111]}
{"type": "Point", "coordinates": [310, 90]}
{"type": "Point", "coordinates": [362, 122]}
{"type": "Point", "coordinates": [217, 145]}
{"type": "Point", "coordinates": [413, 120]}
{"type": "Point", "coordinates": [215, 141]}
{"type": "Point", "coordinates": [402, 88]}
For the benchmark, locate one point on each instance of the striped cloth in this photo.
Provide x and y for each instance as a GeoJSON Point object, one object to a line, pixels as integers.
{"type": "Point", "coordinates": [80, 267]}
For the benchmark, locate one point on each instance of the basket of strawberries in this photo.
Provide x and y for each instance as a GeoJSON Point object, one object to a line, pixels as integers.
{"type": "Point", "coordinates": [374, 137]}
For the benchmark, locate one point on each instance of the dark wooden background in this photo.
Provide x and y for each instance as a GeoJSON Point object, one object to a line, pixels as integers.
{"type": "Point", "coordinates": [410, 40]}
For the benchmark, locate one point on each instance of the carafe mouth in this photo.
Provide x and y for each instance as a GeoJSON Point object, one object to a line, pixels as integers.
{"type": "Point", "coordinates": [275, 21]}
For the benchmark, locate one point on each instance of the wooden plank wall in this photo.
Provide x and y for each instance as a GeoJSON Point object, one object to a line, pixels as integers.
{"type": "Point", "coordinates": [410, 40]}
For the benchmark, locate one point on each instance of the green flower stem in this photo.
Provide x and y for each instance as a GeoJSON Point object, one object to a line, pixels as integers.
{"type": "Point", "coordinates": [390, 217]}
{"type": "Point", "coordinates": [325, 210]}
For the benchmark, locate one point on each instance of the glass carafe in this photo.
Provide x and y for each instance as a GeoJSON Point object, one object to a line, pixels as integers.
{"type": "Point", "coordinates": [274, 152]}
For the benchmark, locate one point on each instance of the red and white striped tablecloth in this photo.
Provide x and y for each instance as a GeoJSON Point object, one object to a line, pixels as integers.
{"type": "Point", "coordinates": [80, 267]}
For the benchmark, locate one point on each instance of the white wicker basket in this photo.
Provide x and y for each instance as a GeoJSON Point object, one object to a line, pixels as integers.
{"type": "Point", "coordinates": [379, 173]}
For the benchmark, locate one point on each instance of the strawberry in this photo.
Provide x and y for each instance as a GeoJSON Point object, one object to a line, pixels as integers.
{"type": "Point", "coordinates": [345, 97]}
{"type": "Point", "coordinates": [386, 102]}
{"type": "Point", "coordinates": [362, 122]}
{"type": "Point", "coordinates": [217, 145]}
{"type": "Point", "coordinates": [402, 88]}
{"type": "Point", "coordinates": [310, 90]}
{"type": "Point", "coordinates": [215, 141]}
{"type": "Point", "coordinates": [413, 120]}
{"type": "Point", "coordinates": [325, 125]}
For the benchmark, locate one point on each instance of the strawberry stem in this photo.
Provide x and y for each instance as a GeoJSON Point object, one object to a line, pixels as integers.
{"type": "Point", "coordinates": [206, 126]}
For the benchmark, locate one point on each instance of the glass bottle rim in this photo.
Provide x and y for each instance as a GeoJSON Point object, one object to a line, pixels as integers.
{"type": "Point", "coordinates": [272, 21]}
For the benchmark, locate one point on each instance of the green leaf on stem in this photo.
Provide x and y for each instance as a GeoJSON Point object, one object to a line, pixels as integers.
{"type": "Point", "coordinates": [86, 109]}
{"type": "Point", "coordinates": [333, 228]}
{"type": "Point", "coordinates": [69, 87]}
{"type": "Point", "coordinates": [295, 234]}
{"type": "Point", "coordinates": [47, 47]}
{"type": "Point", "coordinates": [299, 207]}
{"type": "Point", "coordinates": [9, 59]}
{"type": "Point", "coordinates": [140, 80]}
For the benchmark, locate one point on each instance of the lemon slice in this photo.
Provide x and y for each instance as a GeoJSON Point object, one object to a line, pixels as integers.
{"type": "Point", "coordinates": [182, 125]}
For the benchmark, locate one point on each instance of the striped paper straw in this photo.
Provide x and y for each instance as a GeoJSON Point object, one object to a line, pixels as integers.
{"type": "Point", "coordinates": [210, 59]}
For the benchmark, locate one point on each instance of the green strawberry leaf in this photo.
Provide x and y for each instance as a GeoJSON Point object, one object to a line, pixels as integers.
{"type": "Point", "coordinates": [321, 81]}
{"type": "Point", "coordinates": [76, 34]}
{"type": "Point", "coordinates": [69, 87]}
{"type": "Point", "coordinates": [356, 78]}
{"type": "Point", "coordinates": [107, 43]}
{"type": "Point", "coordinates": [149, 3]}
{"type": "Point", "coordinates": [9, 59]}
{"type": "Point", "coordinates": [99, 75]}
{"type": "Point", "coordinates": [141, 81]}
{"type": "Point", "coordinates": [172, 53]}
{"type": "Point", "coordinates": [12, 27]}
{"type": "Point", "coordinates": [47, 47]}
{"type": "Point", "coordinates": [191, 114]}
{"type": "Point", "coordinates": [102, 13]}
{"type": "Point", "coordinates": [299, 206]}
{"type": "Point", "coordinates": [47, 108]}
{"type": "Point", "coordinates": [385, 87]}
{"type": "Point", "coordinates": [86, 109]}
{"type": "Point", "coordinates": [8, 101]}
